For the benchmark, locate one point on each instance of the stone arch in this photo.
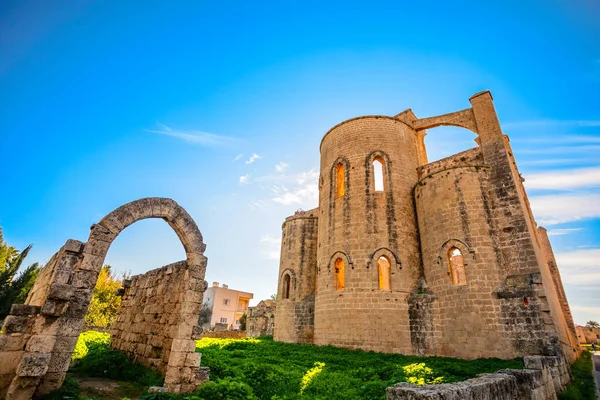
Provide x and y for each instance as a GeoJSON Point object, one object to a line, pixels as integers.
{"type": "Point", "coordinates": [66, 291]}
{"type": "Point", "coordinates": [389, 254]}
{"type": "Point", "coordinates": [343, 256]}
{"type": "Point", "coordinates": [333, 178]}
{"type": "Point", "coordinates": [292, 276]}
{"type": "Point", "coordinates": [462, 119]}
{"type": "Point", "coordinates": [468, 254]}
{"type": "Point", "coordinates": [370, 175]}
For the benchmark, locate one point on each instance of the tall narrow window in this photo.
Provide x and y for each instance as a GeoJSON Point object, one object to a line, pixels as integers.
{"type": "Point", "coordinates": [383, 266]}
{"type": "Point", "coordinates": [378, 174]}
{"type": "Point", "coordinates": [339, 180]}
{"type": "Point", "coordinates": [339, 274]}
{"type": "Point", "coordinates": [286, 286]}
{"type": "Point", "coordinates": [457, 266]}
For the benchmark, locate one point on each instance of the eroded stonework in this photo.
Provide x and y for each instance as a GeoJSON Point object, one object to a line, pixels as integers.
{"type": "Point", "coordinates": [407, 256]}
{"type": "Point", "coordinates": [40, 336]}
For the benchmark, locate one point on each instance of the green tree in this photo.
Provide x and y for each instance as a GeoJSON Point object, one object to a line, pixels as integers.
{"type": "Point", "coordinates": [105, 301]}
{"type": "Point", "coordinates": [592, 324]}
{"type": "Point", "coordinates": [14, 288]}
{"type": "Point", "coordinates": [205, 314]}
{"type": "Point", "coordinates": [243, 319]}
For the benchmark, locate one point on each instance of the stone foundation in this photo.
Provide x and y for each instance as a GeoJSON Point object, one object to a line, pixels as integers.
{"type": "Point", "coordinates": [542, 379]}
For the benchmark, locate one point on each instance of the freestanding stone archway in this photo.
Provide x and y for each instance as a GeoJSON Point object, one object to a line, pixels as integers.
{"type": "Point", "coordinates": [40, 336]}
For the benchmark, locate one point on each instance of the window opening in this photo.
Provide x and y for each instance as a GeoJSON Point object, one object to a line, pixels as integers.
{"type": "Point", "coordinates": [383, 266]}
{"type": "Point", "coordinates": [457, 266]}
{"type": "Point", "coordinates": [339, 274]}
{"type": "Point", "coordinates": [286, 286]}
{"type": "Point", "coordinates": [339, 179]}
{"type": "Point", "coordinates": [223, 320]}
{"type": "Point", "coordinates": [378, 174]}
{"type": "Point", "coordinates": [226, 302]}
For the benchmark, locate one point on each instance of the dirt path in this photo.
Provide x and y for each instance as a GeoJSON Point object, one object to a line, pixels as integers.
{"type": "Point", "coordinates": [108, 389]}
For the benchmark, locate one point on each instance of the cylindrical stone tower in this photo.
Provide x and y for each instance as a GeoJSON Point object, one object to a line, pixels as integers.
{"type": "Point", "coordinates": [368, 256]}
{"type": "Point", "coordinates": [294, 315]}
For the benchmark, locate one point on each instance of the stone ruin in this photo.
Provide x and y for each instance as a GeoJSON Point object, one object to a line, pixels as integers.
{"type": "Point", "coordinates": [156, 324]}
{"type": "Point", "coordinates": [261, 319]}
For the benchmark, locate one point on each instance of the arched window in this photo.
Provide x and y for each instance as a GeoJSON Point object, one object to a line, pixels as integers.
{"type": "Point", "coordinates": [383, 266]}
{"type": "Point", "coordinates": [286, 286]}
{"type": "Point", "coordinates": [378, 173]}
{"type": "Point", "coordinates": [457, 266]}
{"type": "Point", "coordinates": [340, 172]}
{"type": "Point", "coordinates": [339, 274]}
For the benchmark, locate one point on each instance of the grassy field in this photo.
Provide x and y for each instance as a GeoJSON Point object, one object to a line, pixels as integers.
{"type": "Point", "coordinates": [263, 369]}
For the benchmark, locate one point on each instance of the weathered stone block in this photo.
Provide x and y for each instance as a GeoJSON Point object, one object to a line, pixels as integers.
{"type": "Point", "coordinates": [157, 389]}
{"type": "Point", "coordinates": [41, 344]}
{"type": "Point", "coordinates": [60, 291]}
{"type": "Point", "coordinates": [16, 324]}
{"type": "Point", "coordinates": [24, 309]}
{"type": "Point", "coordinates": [33, 365]}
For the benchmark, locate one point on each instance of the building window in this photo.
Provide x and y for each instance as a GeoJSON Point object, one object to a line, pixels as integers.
{"type": "Point", "coordinates": [339, 274]}
{"type": "Point", "coordinates": [286, 286]}
{"type": "Point", "coordinates": [340, 172]}
{"type": "Point", "coordinates": [457, 266]}
{"type": "Point", "coordinates": [226, 302]}
{"type": "Point", "coordinates": [378, 174]}
{"type": "Point", "coordinates": [223, 320]}
{"type": "Point", "coordinates": [383, 266]}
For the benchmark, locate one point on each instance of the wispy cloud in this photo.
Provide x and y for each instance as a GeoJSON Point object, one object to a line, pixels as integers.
{"type": "Point", "coordinates": [281, 167]}
{"type": "Point", "coordinates": [238, 157]}
{"type": "Point", "coordinates": [564, 179]}
{"type": "Point", "coordinates": [564, 231]}
{"type": "Point", "coordinates": [270, 246]}
{"type": "Point", "coordinates": [253, 158]}
{"type": "Point", "coordinates": [244, 179]}
{"type": "Point", "coordinates": [552, 123]}
{"type": "Point", "coordinates": [302, 192]}
{"type": "Point", "coordinates": [580, 267]}
{"type": "Point", "coordinates": [192, 136]}
{"type": "Point", "coordinates": [561, 208]}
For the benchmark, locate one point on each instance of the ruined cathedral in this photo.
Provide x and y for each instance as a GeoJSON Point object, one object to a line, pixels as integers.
{"type": "Point", "coordinates": [406, 256]}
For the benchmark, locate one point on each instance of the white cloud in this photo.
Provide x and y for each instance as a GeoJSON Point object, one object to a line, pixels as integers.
{"type": "Point", "coordinates": [270, 246]}
{"type": "Point", "coordinates": [257, 205]}
{"type": "Point", "coordinates": [303, 192]}
{"type": "Point", "coordinates": [564, 179]}
{"type": "Point", "coordinates": [552, 123]}
{"type": "Point", "coordinates": [197, 137]}
{"type": "Point", "coordinates": [238, 157]}
{"type": "Point", "coordinates": [244, 178]}
{"type": "Point", "coordinates": [580, 267]}
{"type": "Point", "coordinates": [281, 167]}
{"type": "Point", "coordinates": [560, 208]}
{"type": "Point", "coordinates": [253, 158]}
{"type": "Point", "coordinates": [270, 239]}
{"type": "Point", "coordinates": [560, 232]}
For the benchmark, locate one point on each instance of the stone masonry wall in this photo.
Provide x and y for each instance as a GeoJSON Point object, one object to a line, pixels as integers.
{"type": "Point", "coordinates": [294, 314]}
{"type": "Point", "coordinates": [542, 379]}
{"type": "Point", "coordinates": [261, 319]}
{"type": "Point", "coordinates": [149, 315]}
{"type": "Point", "coordinates": [362, 225]}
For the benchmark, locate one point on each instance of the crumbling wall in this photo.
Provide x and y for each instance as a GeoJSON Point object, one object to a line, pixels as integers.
{"type": "Point", "coordinates": [261, 319]}
{"type": "Point", "coordinates": [40, 336]}
{"type": "Point", "coordinates": [150, 314]}
{"type": "Point", "coordinates": [542, 379]}
{"type": "Point", "coordinates": [587, 335]}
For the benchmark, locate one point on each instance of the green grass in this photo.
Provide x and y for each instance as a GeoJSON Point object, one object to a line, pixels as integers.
{"type": "Point", "coordinates": [257, 369]}
{"type": "Point", "coordinates": [276, 370]}
{"type": "Point", "coordinates": [582, 386]}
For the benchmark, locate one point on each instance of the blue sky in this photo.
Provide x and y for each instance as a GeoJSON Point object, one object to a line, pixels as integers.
{"type": "Point", "coordinates": [222, 108]}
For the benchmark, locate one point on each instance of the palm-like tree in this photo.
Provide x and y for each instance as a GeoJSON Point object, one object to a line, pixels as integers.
{"type": "Point", "coordinates": [592, 324]}
{"type": "Point", "coordinates": [13, 288]}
